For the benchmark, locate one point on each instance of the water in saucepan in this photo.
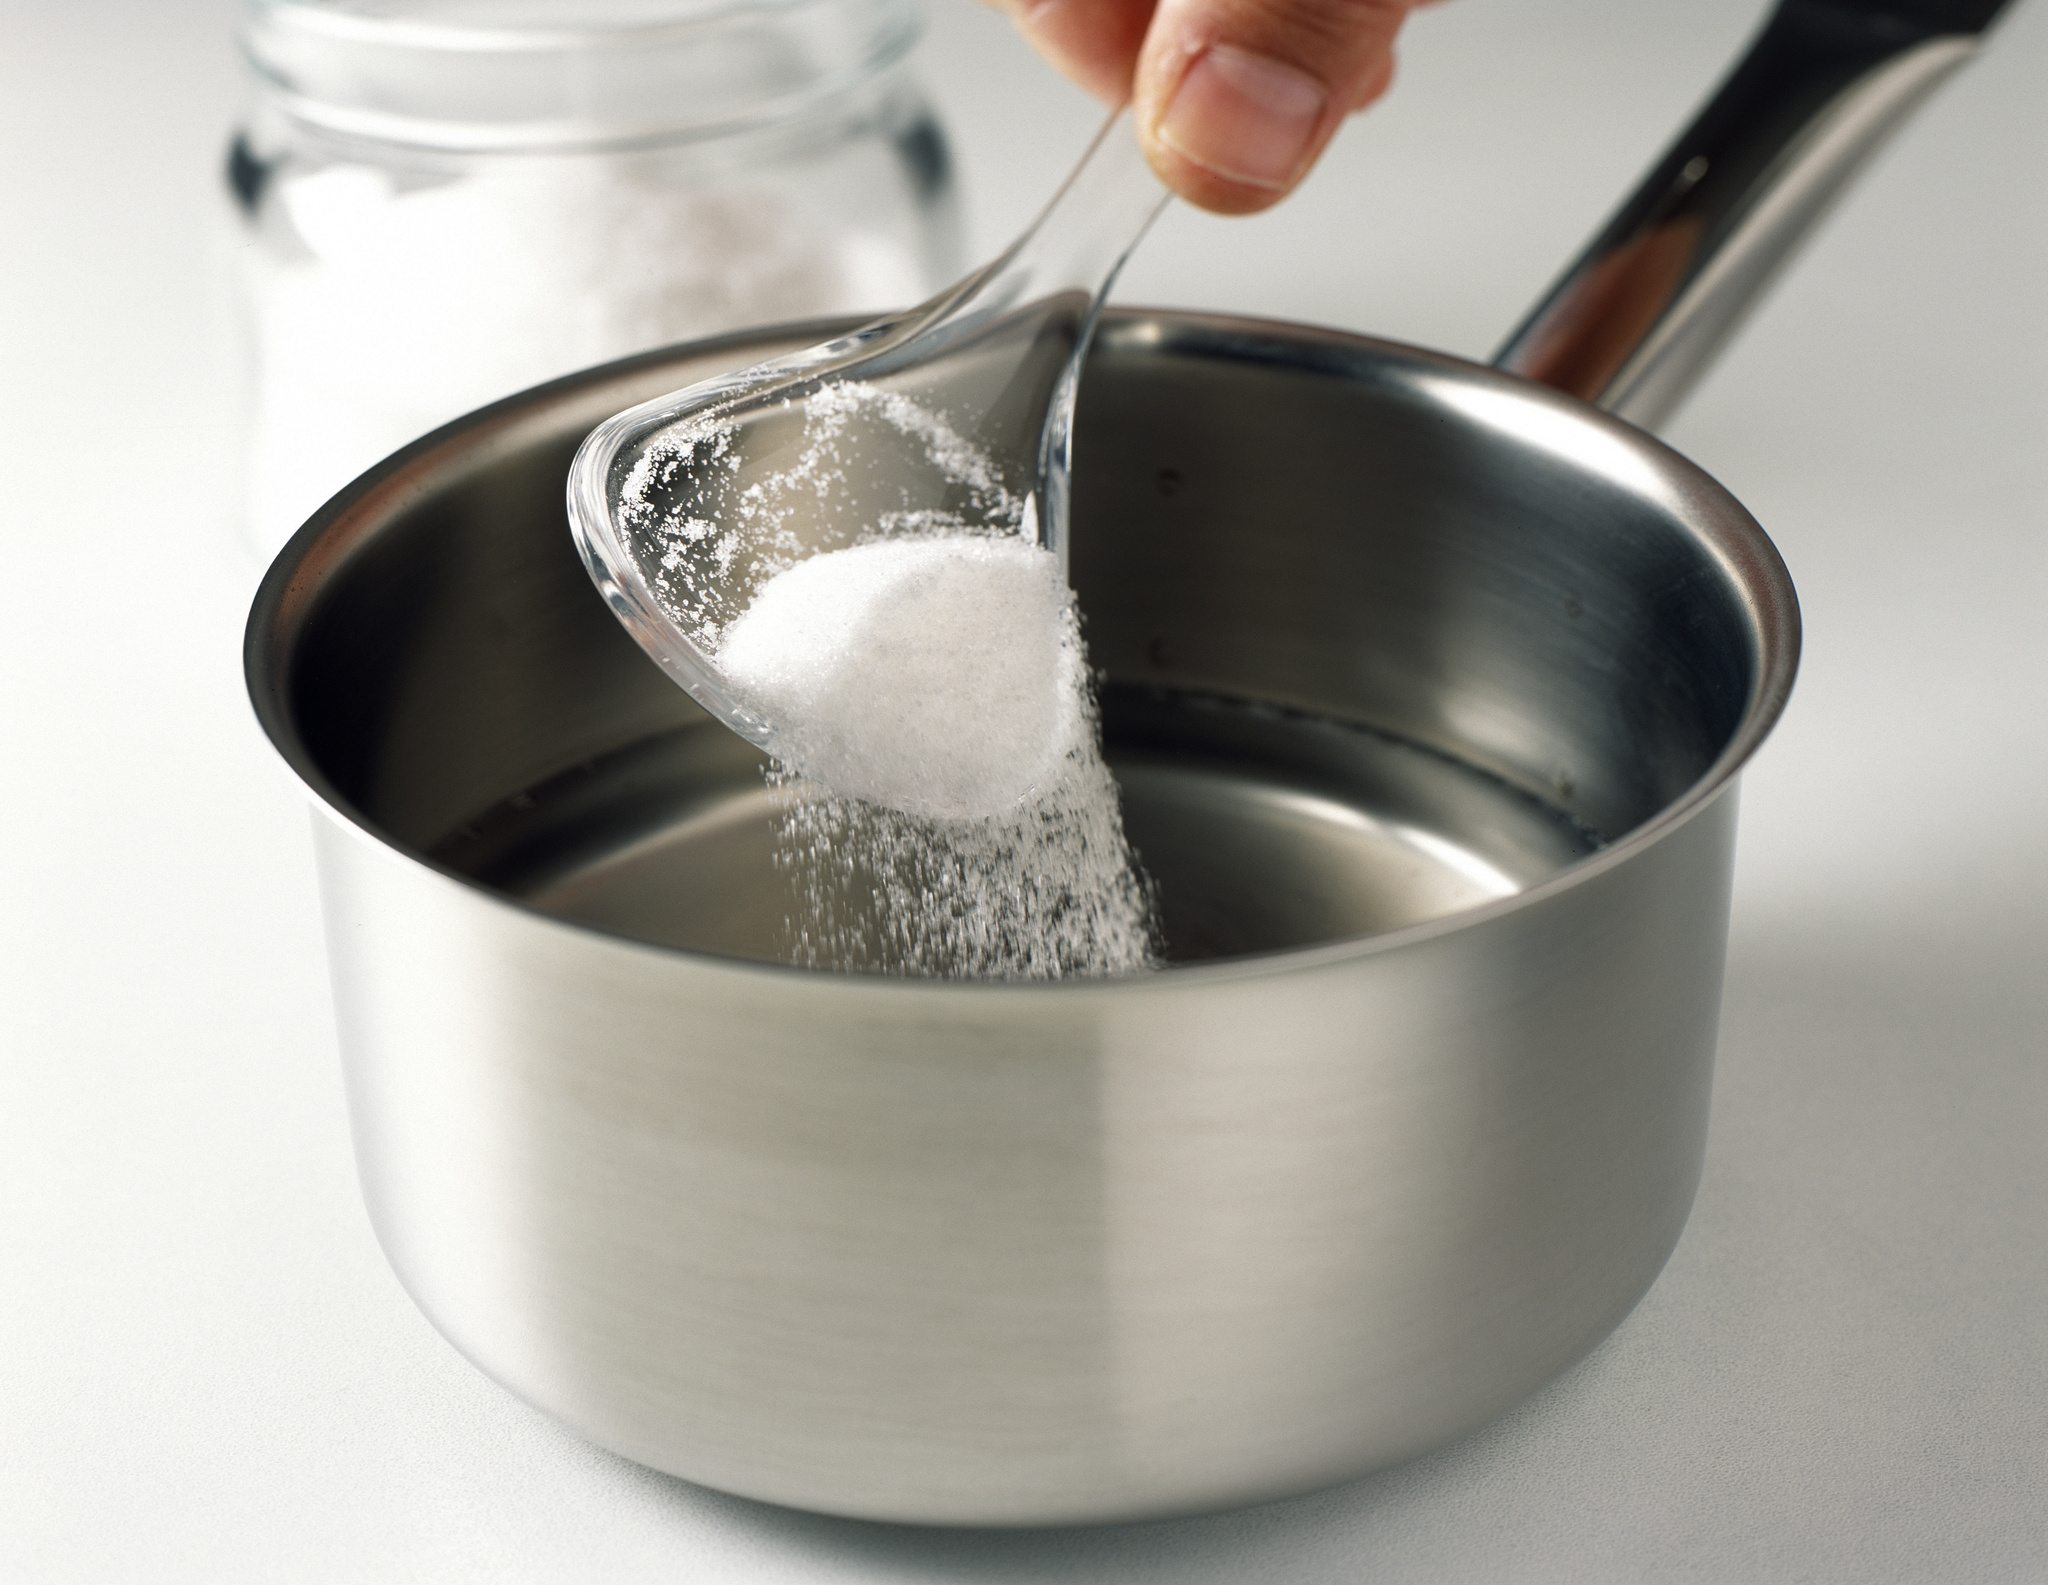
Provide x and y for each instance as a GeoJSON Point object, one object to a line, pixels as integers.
{"type": "Point", "coordinates": [1261, 830]}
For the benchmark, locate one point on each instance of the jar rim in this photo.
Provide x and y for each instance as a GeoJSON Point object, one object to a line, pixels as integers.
{"type": "Point", "coordinates": [458, 77]}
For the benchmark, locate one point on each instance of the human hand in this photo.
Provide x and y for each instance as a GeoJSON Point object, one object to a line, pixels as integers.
{"type": "Point", "coordinates": [1234, 99]}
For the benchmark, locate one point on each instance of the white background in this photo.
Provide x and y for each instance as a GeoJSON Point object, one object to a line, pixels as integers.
{"type": "Point", "coordinates": [206, 1372]}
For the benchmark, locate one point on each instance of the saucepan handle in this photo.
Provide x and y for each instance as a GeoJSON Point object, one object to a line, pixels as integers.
{"type": "Point", "coordinates": [1638, 318]}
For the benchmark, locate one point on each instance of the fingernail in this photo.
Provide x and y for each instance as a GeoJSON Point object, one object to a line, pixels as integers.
{"type": "Point", "coordinates": [1246, 118]}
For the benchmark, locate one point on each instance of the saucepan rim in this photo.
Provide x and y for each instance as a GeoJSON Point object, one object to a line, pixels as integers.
{"type": "Point", "coordinates": [1726, 529]}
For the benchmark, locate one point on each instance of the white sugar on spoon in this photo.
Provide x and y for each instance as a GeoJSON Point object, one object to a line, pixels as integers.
{"type": "Point", "coordinates": [942, 677]}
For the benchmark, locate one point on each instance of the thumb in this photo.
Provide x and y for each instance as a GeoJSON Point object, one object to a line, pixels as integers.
{"type": "Point", "coordinates": [1236, 98]}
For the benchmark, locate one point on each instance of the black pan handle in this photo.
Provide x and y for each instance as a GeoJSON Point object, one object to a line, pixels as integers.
{"type": "Point", "coordinates": [1941, 16]}
{"type": "Point", "coordinates": [1636, 321]}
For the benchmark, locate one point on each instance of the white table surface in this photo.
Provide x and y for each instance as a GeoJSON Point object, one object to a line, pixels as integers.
{"type": "Point", "coordinates": [207, 1373]}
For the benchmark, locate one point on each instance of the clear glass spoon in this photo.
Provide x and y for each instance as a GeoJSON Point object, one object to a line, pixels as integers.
{"type": "Point", "coordinates": [955, 417]}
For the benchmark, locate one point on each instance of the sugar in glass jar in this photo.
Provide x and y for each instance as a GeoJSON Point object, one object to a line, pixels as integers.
{"type": "Point", "coordinates": [449, 200]}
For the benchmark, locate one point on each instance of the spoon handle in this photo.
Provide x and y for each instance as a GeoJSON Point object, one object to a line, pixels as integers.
{"type": "Point", "coordinates": [1040, 298]}
{"type": "Point", "coordinates": [1081, 239]}
{"type": "Point", "coordinates": [1064, 266]}
{"type": "Point", "coordinates": [1064, 263]}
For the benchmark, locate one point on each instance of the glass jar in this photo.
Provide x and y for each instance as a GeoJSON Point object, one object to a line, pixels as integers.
{"type": "Point", "coordinates": [449, 200]}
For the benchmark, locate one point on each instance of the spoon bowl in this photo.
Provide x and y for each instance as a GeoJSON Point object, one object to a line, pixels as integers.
{"type": "Point", "coordinates": [953, 418]}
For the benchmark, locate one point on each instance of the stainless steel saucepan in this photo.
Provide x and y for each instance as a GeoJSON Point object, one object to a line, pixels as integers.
{"type": "Point", "coordinates": [1427, 687]}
